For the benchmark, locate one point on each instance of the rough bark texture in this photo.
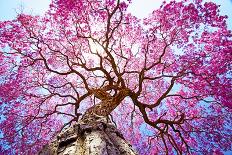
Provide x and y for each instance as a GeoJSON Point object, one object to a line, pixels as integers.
{"type": "Point", "coordinates": [98, 137]}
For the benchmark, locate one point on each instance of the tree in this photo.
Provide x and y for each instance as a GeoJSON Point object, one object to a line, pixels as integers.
{"type": "Point", "coordinates": [165, 81]}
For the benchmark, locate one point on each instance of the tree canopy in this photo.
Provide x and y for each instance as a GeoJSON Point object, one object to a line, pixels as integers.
{"type": "Point", "coordinates": [175, 66]}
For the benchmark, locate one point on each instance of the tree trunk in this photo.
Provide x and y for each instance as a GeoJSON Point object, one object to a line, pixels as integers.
{"type": "Point", "coordinates": [97, 137]}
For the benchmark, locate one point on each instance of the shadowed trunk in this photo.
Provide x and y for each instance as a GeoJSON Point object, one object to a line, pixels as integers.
{"type": "Point", "coordinates": [99, 137]}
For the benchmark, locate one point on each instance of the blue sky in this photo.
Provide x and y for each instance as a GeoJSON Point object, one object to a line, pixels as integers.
{"type": "Point", "coordinates": [139, 8]}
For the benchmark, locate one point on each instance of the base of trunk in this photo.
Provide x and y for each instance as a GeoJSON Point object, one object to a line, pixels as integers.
{"type": "Point", "coordinates": [94, 138]}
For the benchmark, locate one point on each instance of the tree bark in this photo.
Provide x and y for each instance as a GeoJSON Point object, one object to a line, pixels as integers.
{"type": "Point", "coordinates": [99, 136]}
